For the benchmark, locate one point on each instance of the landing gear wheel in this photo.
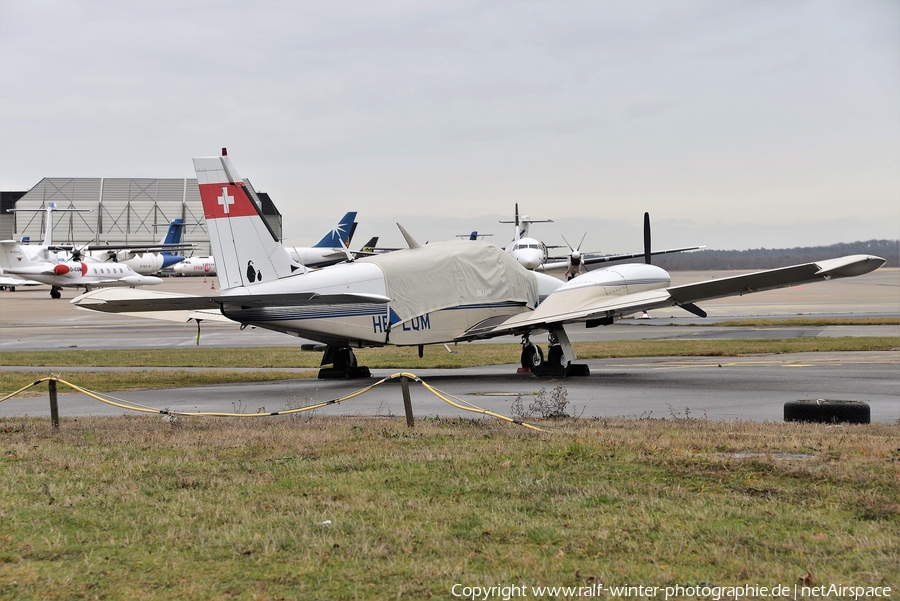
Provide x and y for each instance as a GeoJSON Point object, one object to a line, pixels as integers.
{"type": "Point", "coordinates": [532, 356]}
{"type": "Point", "coordinates": [344, 358]}
{"type": "Point", "coordinates": [55, 292]}
{"type": "Point", "coordinates": [554, 366]}
{"type": "Point", "coordinates": [344, 365]}
{"type": "Point", "coordinates": [555, 356]}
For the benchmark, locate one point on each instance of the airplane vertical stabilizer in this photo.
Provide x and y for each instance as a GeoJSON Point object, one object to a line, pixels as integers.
{"type": "Point", "coordinates": [245, 250]}
{"type": "Point", "coordinates": [339, 236]}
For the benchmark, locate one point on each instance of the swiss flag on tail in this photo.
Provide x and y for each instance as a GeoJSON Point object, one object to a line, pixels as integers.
{"type": "Point", "coordinates": [226, 200]}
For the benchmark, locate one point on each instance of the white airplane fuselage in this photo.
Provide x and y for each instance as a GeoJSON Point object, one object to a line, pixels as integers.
{"type": "Point", "coordinates": [360, 324]}
{"type": "Point", "coordinates": [370, 324]}
{"type": "Point", "coordinates": [142, 263]}
{"type": "Point", "coordinates": [196, 266]}
{"type": "Point", "coordinates": [530, 253]}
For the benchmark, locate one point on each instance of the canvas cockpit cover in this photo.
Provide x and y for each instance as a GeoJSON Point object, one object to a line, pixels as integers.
{"type": "Point", "coordinates": [453, 274]}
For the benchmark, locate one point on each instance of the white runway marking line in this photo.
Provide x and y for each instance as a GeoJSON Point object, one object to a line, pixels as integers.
{"type": "Point", "coordinates": [809, 362]}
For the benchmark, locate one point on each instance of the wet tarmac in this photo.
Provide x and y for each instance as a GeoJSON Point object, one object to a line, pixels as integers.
{"type": "Point", "coordinates": [746, 388]}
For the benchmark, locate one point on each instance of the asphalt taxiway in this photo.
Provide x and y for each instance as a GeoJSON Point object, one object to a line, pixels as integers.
{"type": "Point", "coordinates": [748, 388]}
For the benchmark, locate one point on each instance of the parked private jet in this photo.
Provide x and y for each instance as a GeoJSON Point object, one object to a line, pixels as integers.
{"type": "Point", "coordinates": [428, 294]}
{"type": "Point", "coordinates": [68, 274]}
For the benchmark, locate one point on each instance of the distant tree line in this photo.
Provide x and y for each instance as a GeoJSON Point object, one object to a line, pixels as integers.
{"type": "Point", "coordinates": [770, 258]}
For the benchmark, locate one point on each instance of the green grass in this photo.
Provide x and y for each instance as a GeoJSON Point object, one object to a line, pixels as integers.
{"type": "Point", "coordinates": [11, 381]}
{"type": "Point", "coordinates": [465, 355]}
{"type": "Point", "coordinates": [143, 508]}
{"type": "Point", "coordinates": [270, 359]}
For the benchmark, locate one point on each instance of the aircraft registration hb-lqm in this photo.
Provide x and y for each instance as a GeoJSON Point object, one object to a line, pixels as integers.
{"type": "Point", "coordinates": [437, 293]}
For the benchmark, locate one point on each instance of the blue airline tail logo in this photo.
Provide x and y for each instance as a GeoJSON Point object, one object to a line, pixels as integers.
{"type": "Point", "coordinates": [340, 235]}
{"type": "Point", "coordinates": [175, 233]}
{"type": "Point", "coordinates": [173, 236]}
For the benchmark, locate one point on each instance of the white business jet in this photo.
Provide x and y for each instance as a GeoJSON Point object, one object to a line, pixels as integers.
{"type": "Point", "coordinates": [427, 294]}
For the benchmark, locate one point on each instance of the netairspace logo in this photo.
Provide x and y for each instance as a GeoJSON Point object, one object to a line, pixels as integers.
{"type": "Point", "coordinates": [714, 593]}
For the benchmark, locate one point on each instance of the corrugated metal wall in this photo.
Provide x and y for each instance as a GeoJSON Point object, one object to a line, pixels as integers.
{"type": "Point", "coordinates": [136, 210]}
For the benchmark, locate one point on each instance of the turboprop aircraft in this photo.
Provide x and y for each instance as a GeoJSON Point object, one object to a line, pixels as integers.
{"type": "Point", "coordinates": [576, 262]}
{"type": "Point", "coordinates": [146, 260]}
{"type": "Point", "coordinates": [427, 294]}
{"type": "Point", "coordinates": [529, 252]}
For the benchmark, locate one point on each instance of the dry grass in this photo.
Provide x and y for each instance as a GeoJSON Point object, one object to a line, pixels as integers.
{"type": "Point", "coordinates": [143, 508]}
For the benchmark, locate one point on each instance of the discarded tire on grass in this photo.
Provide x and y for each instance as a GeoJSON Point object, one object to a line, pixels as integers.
{"type": "Point", "coordinates": [827, 411]}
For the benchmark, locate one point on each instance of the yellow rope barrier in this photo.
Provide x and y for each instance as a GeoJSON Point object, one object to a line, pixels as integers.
{"type": "Point", "coordinates": [457, 402]}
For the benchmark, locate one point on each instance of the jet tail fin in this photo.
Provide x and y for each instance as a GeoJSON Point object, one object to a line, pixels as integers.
{"type": "Point", "coordinates": [244, 246]}
{"type": "Point", "coordinates": [340, 234]}
{"type": "Point", "coordinates": [175, 233]}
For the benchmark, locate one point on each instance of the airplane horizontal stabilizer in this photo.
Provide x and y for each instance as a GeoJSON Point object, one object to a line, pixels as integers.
{"type": "Point", "coordinates": [131, 301]}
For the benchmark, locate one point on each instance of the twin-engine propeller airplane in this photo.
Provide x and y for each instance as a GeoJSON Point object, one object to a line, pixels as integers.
{"type": "Point", "coordinates": [146, 260]}
{"type": "Point", "coordinates": [428, 294]}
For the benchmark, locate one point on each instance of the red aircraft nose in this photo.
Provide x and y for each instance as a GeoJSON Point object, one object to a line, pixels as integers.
{"type": "Point", "coordinates": [61, 269]}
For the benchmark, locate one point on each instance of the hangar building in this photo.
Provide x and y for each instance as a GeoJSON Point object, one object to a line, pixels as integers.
{"type": "Point", "coordinates": [130, 210]}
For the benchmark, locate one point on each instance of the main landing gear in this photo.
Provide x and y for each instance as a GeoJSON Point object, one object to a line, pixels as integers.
{"type": "Point", "coordinates": [344, 365]}
{"type": "Point", "coordinates": [55, 292]}
{"type": "Point", "coordinates": [559, 357]}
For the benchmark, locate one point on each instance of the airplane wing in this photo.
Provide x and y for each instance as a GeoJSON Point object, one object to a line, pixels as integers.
{"type": "Point", "coordinates": [591, 304]}
{"type": "Point", "coordinates": [13, 281]}
{"type": "Point", "coordinates": [133, 301]}
{"type": "Point", "coordinates": [589, 260]}
{"type": "Point", "coordinates": [157, 247]}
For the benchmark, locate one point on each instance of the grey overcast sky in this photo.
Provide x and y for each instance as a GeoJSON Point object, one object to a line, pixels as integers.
{"type": "Point", "coordinates": [735, 124]}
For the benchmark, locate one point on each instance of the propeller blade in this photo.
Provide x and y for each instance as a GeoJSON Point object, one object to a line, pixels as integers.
{"type": "Point", "coordinates": [647, 238]}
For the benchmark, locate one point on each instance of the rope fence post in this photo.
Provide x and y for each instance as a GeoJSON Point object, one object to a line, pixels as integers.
{"type": "Point", "coordinates": [407, 403]}
{"type": "Point", "coordinates": [54, 408]}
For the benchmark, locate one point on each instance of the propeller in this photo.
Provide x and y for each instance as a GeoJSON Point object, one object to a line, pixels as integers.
{"type": "Point", "coordinates": [78, 251]}
{"type": "Point", "coordinates": [574, 258]}
{"type": "Point", "coordinates": [647, 238]}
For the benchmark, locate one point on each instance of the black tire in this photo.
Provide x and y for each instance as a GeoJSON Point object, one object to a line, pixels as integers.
{"type": "Point", "coordinates": [54, 293]}
{"type": "Point", "coordinates": [345, 359]}
{"type": "Point", "coordinates": [555, 356]}
{"type": "Point", "coordinates": [825, 411]}
{"type": "Point", "coordinates": [532, 356]}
